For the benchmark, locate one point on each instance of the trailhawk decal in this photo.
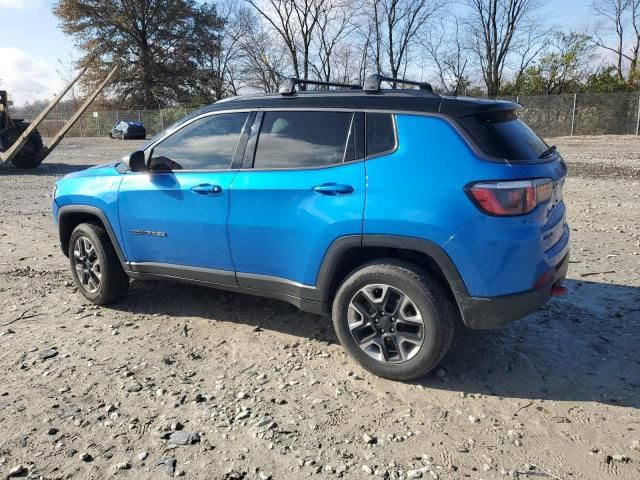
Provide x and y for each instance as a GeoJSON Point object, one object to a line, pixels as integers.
{"type": "Point", "coordinates": [148, 233]}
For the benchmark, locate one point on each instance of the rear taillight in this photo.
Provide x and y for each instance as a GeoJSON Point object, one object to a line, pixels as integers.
{"type": "Point", "coordinates": [509, 198]}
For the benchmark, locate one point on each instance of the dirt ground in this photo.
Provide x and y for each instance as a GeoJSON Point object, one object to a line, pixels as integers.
{"type": "Point", "coordinates": [254, 389]}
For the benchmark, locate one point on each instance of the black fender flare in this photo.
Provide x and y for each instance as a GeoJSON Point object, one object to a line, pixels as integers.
{"type": "Point", "coordinates": [343, 244]}
{"type": "Point", "coordinates": [69, 210]}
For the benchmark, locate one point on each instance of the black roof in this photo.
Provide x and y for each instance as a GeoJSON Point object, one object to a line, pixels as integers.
{"type": "Point", "coordinates": [411, 100]}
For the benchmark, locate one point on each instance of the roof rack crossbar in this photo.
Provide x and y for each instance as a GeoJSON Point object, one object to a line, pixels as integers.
{"type": "Point", "coordinates": [288, 87]}
{"type": "Point", "coordinates": [373, 82]}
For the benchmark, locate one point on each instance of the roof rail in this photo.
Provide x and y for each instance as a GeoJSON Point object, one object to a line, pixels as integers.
{"type": "Point", "coordinates": [288, 87]}
{"type": "Point", "coordinates": [372, 83]}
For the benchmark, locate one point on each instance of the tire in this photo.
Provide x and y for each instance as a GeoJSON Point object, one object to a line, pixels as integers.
{"type": "Point", "coordinates": [113, 281]}
{"type": "Point", "coordinates": [31, 154]}
{"type": "Point", "coordinates": [426, 299]}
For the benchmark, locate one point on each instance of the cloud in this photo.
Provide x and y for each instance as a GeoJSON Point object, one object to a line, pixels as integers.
{"type": "Point", "coordinates": [19, 4]}
{"type": "Point", "coordinates": [27, 78]}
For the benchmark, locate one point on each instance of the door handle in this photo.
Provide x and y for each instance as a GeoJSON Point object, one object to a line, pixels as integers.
{"type": "Point", "coordinates": [333, 189]}
{"type": "Point", "coordinates": [207, 189]}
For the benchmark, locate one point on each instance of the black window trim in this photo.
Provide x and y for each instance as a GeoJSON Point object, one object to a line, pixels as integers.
{"type": "Point", "coordinates": [245, 136]}
{"type": "Point", "coordinates": [350, 133]}
{"type": "Point", "coordinates": [249, 154]}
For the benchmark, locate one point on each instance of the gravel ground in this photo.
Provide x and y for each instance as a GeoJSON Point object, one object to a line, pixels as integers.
{"type": "Point", "coordinates": [181, 380]}
{"type": "Point", "coordinates": [600, 157]}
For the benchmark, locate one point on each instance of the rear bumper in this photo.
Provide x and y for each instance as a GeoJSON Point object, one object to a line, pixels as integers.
{"type": "Point", "coordinates": [494, 312]}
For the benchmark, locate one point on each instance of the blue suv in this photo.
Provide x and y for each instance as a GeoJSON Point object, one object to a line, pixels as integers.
{"type": "Point", "coordinates": [400, 212]}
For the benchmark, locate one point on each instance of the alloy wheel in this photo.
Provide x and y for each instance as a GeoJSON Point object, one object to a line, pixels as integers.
{"type": "Point", "coordinates": [386, 323]}
{"type": "Point", "coordinates": [87, 264]}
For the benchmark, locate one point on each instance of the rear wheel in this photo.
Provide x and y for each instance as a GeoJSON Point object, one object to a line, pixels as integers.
{"type": "Point", "coordinates": [394, 318]}
{"type": "Point", "coordinates": [95, 266]}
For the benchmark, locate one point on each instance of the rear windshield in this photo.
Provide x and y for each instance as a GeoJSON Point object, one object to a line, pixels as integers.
{"type": "Point", "coordinates": [503, 135]}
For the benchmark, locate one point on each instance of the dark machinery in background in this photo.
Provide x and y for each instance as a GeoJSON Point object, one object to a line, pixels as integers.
{"type": "Point", "coordinates": [31, 154]}
{"type": "Point", "coordinates": [20, 142]}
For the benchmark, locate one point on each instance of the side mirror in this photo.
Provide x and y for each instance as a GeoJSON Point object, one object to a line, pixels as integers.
{"type": "Point", "coordinates": [137, 162]}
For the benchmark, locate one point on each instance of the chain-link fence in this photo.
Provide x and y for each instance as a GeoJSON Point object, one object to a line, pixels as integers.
{"type": "Point", "coordinates": [581, 114]}
{"type": "Point", "coordinates": [98, 123]}
{"type": "Point", "coordinates": [549, 115]}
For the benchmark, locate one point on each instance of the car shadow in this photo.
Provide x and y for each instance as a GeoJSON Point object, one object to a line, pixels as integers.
{"type": "Point", "coordinates": [581, 347]}
{"type": "Point", "coordinates": [185, 300]}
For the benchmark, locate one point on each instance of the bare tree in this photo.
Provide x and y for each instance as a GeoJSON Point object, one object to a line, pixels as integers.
{"type": "Point", "coordinates": [239, 22]}
{"type": "Point", "coordinates": [445, 47]}
{"type": "Point", "coordinates": [528, 46]}
{"type": "Point", "coordinates": [612, 11]}
{"type": "Point", "coordinates": [494, 26]}
{"type": "Point", "coordinates": [334, 26]}
{"type": "Point", "coordinates": [296, 23]}
{"type": "Point", "coordinates": [264, 61]}
{"type": "Point", "coordinates": [397, 24]}
{"type": "Point", "coordinates": [622, 15]}
{"type": "Point", "coordinates": [364, 57]}
{"type": "Point", "coordinates": [634, 68]}
{"type": "Point", "coordinates": [279, 14]}
{"type": "Point", "coordinates": [363, 44]}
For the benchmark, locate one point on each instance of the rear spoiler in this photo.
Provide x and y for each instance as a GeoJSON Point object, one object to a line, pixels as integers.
{"type": "Point", "coordinates": [461, 107]}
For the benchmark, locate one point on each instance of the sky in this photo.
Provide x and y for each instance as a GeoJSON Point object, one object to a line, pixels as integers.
{"type": "Point", "coordinates": [32, 45]}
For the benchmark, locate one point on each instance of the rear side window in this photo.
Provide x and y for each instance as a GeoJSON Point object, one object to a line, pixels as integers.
{"type": "Point", "coordinates": [208, 143]}
{"type": "Point", "coordinates": [503, 135]}
{"type": "Point", "coordinates": [303, 139]}
{"type": "Point", "coordinates": [381, 136]}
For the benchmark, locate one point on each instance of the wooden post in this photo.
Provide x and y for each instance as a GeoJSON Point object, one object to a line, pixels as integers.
{"type": "Point", "coordinates": [638, 119]}
{"type": "Point", "coordinates": [74, 118]}
{"type": "Point", "coordinates": [573, 113]}
{"type": "Point", "coordinates": [5, 157]}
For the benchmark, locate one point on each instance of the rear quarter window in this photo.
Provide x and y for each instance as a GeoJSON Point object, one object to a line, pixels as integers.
{"type": "Point", "coordinates": [381, 135]}
{"type": "Point", "coordinates": [503, 135]}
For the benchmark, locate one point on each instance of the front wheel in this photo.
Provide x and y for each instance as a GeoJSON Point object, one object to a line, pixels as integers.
{"type": "Point", "coordinates": [95, 266]}
{"type": "Point", "coordinates": [394, 319]}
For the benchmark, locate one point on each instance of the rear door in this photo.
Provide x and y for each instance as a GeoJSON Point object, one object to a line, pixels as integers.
{"type": "Point", "coordinates": [302, 186]}
{"type": "Point", "coordinates": [175, 215]}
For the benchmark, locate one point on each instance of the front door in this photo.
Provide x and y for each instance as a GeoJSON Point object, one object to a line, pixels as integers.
{"type": "Point", "coordinates": [174, 217]}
